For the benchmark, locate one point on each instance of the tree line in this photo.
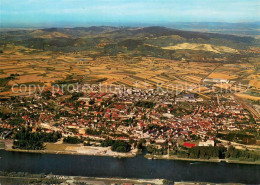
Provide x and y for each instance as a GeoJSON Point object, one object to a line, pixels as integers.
{"type": "Point", "coordinates": [26, 139]}
{"type": "Point", "coordinates": [208, 152]}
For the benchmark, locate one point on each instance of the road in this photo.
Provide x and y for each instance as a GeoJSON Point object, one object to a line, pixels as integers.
{"type": "Point", "coordinates": [201, 81]}
{"type": "Point", "coordinates": [248, 107]}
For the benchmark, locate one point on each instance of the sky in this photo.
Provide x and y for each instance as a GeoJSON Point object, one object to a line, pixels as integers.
{"type": "Point", "coordinates": [43, 13]}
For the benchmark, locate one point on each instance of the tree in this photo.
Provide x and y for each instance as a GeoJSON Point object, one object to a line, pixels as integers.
{"type": "Point", "coordinates": [72, 140]}
{"type": "Point", "coordinates": [121, 146]}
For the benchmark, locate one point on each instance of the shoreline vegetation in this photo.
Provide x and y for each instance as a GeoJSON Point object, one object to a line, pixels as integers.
{"type": "Point", "coordinates": [26, 178]}
{"type": "Point", "coordinates": [77, 149]}
{"type": "Point", "coordinates": [215, 160]}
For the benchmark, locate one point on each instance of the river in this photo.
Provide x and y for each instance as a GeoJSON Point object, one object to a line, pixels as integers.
{"type": "Point", "coordinates": [137, 167]}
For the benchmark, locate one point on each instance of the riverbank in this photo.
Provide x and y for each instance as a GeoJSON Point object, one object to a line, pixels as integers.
{"type": "Point", "coordinates": [174, 157]}
{"type": "Point", "coordinates": [80, 149]}
{"type": "Point", "coordinates": [135, 167]}
{"type": "Point", "coordinates": [66, 180]}
{"type": "Point", "coordinates": [77, 149]}
{"type": "Point", "coordinates": [60, 179]}
{"type": "Point", "coordinates": [26, 178]}
{"type": "Point", "coordinates": [119, 155]}
{"type": "Point", "coordinates": [105, 152]}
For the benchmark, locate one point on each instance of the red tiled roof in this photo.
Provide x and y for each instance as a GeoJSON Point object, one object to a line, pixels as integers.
{"type": "Point", "coordinates": [189, 145]}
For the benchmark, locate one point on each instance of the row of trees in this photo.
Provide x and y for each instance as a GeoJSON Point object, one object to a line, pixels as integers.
{"type": "Point", "coordinates": [203, 152]}
{"type": "Point", "coordinates": [243, 155]}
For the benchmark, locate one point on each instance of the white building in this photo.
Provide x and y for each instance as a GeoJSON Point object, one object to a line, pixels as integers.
{"type": "Point", "coordinates": [207, 143]}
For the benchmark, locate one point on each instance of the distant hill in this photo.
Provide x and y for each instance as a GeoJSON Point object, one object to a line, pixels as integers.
{"type": "Point", "coordinates": [154, 41]}
{"type": "Point", "coordinates": [246, 28]}
{"type": "Point", "coordinates": [163, 31]}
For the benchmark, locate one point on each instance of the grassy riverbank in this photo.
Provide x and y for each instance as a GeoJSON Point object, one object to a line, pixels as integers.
{"type": "Point", "coordinates": [174, 157]}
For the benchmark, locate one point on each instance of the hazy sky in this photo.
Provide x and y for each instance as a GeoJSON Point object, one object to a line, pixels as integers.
{"type": "Point", "coordinates": [76, 12]}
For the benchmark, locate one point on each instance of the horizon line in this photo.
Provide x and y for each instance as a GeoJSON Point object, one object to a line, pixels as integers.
{"type": "Point", "coordinates": [112, 24]}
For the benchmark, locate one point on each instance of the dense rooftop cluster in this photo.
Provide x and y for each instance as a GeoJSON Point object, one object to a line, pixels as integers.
{"type": "Point", "coordinates": [129, 114]}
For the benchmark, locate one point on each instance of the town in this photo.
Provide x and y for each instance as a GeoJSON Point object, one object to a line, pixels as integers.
{"type": "Point", "coordinates": [129, 120]}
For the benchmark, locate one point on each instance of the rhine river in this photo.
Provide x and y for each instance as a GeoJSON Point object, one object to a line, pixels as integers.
{"type": "Point", "coordinates": [137, 167]}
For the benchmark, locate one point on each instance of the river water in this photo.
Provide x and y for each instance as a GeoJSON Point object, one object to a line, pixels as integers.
{"type": "Point", "coordinates": [137, 167]}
